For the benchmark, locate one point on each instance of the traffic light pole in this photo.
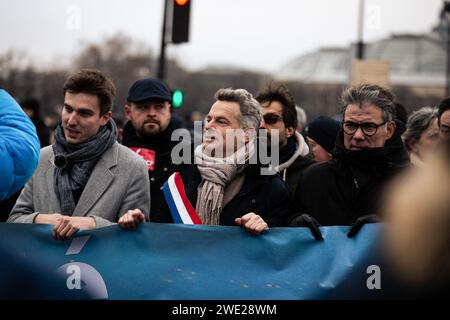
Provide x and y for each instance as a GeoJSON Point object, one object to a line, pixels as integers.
{"type": "Point", "coordinates": [162, 54]}
{"type": "Point", "coordinates": [360, 43]}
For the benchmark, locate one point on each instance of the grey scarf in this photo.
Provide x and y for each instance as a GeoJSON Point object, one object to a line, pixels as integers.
{"type": "Point", "coordinates": [74, 162]}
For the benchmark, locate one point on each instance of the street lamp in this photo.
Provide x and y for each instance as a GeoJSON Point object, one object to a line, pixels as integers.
{"type": "Point", "coordinates": [162, 54]}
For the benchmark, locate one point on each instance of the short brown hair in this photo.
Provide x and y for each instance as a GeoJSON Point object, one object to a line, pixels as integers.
{"type": "Point", "coordinates": [92, 82]}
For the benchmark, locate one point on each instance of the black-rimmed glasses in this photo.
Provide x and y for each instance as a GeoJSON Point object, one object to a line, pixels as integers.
{"type": "Point", "coordinates": [368, 128]}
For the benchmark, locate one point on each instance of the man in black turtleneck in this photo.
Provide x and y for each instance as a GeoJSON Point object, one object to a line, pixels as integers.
{"type": "Point", "coordinates": [148, 133]}
{"type": "Point", "coordinates": [369, 152]}
{"type": "Point", "coordinates": [279, 116]}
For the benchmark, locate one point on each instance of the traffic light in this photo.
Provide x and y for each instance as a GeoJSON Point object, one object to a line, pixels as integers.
{"type": "Point", "coordinates": [180, 21]}
{"type": "Point", "coordinates": [177, 98]}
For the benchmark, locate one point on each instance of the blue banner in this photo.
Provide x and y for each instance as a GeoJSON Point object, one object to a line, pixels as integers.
{"type": "Point", "coordinates": [173, 261]}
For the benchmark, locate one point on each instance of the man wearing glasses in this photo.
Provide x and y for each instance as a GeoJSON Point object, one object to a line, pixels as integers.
{"type": "Point", "coordinates": [369, 152]}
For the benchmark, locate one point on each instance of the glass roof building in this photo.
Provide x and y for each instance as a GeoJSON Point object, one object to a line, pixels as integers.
{"type": "Point", "coordinates": [415, 60]}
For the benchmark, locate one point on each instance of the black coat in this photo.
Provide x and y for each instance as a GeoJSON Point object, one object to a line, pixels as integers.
{"type": "Point", "coordinates": [351, 184]}
{"type": "Point", "coordinates": [163, 166]}
{"type": "Point", "coordinates": [7, 205]}
{"type": "Point", "coordinates": [267, 196]}
{"type": "Point", "coordinates": [43, 131]}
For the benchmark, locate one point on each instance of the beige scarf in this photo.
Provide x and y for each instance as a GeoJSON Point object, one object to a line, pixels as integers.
{"type": "Point", "coordinates": [219, 174]}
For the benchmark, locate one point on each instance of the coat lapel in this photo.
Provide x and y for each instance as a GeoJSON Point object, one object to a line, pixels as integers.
{"type": "Point", "coordinates": [54, 205]}
{"type": "Point", "coordinates": [99, 181]}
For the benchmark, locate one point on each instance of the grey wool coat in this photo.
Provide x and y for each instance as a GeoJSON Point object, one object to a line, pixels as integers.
{"type": "Point", "coordinates": [118, 183]}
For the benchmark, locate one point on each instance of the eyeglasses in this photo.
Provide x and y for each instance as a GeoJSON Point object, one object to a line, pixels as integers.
{"type": "Point", "coordinates": [368, 128]}
{"type": "Point", "coordinates": [271, 118]}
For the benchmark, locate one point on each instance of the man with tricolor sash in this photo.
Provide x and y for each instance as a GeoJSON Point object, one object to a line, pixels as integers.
{"type": "Point", "coordinates": [225, 186]}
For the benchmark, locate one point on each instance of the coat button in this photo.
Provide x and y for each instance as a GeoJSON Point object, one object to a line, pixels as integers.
{"type": "Point", "coordinates": [152, 179]}
{"type": "Point", "coordinates": [165, 169]}
{"type": "Point", "coordinates": [253, 201]}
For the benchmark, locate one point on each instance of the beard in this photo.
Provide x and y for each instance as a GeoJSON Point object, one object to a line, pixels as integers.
{"type": "Point", "coordinates": [150, 130]}
{"type": "Point", "coordinates": [279, 140]}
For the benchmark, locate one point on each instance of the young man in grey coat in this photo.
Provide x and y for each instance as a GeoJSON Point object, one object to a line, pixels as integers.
{"type": "Point", "coordinates": [85, 180]}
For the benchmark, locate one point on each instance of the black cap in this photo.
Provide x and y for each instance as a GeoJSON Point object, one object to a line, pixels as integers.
{"type": "Point", "coordinates": [323, 130]}
{"type": "Point", "coordinates": [149, 88]}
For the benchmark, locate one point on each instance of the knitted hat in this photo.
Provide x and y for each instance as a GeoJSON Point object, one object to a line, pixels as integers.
{"type": "Point", "coordinates": [323, 130]}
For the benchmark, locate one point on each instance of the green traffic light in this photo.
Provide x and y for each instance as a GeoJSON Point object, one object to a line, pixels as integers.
{"type": "Point", "coordinates": [177, 98]}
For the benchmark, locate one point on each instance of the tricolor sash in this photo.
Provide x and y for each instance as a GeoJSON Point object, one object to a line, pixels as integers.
{"type": "Point", "coordinates": [179, 205]}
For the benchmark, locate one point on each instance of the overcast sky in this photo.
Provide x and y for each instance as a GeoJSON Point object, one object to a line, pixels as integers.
{"type": "Point", "coordinates": [255, 34]}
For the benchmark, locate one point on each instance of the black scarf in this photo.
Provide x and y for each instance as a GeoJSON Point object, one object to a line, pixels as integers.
{"type": "Point", "coordinates": [74, 162]}
{"type": "Point", "coordinates": [288, 150]}
{"type": "Point", "coordinates": [377, 163]}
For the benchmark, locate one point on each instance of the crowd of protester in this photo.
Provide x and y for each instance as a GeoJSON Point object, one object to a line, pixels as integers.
{"type": "Point", "coordinates": [93, 173]}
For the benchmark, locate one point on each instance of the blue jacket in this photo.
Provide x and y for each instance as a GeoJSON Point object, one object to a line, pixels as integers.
{"type": "Point", "coordinates": [19, 146]}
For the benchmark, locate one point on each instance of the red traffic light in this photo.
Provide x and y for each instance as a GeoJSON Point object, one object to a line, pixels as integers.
{"type": "Point", "coordinates": [181, 2]}
{"type": "Point", "coordinates": [180, 21]}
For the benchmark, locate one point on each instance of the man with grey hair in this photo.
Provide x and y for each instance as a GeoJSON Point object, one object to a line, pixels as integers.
{"type": "Point", "coordinates": [224, 185]}
{"type": "Point", "coordinates": [369, 152]}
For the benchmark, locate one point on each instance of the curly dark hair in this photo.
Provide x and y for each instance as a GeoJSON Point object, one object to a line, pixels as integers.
{"type": "Point", "coordinates": [282, 95]}
{"type": "Point", "coordinates": [92, 82]}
